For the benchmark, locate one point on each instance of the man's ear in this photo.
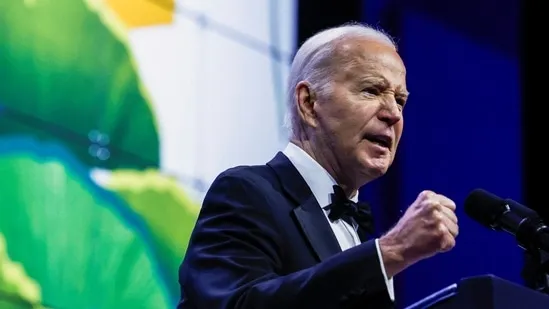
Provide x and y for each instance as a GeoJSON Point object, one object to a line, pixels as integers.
{"type": "Point", "coordinates": [306, 99]}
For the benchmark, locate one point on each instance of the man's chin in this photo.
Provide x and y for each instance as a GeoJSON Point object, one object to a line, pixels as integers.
{"type": "Point", "coordinates": [376, 167]}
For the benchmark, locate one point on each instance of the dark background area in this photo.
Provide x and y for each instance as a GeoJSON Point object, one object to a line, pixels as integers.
{"type": "Point", "coordinates": [473, 120]}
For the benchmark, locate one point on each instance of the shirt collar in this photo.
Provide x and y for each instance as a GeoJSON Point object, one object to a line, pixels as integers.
{"type": "Point", "coordinates": [317, 178]}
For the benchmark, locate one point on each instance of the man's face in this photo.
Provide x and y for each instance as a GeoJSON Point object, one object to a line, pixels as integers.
{"type": "Point", "coordinates": [360, 120]}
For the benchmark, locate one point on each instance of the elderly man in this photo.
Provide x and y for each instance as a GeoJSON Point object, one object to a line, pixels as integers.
{"type": "Point", "coordinates": [291, 234]}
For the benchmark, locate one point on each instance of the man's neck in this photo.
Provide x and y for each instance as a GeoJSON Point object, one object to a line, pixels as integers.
{"type": "Point", "coordinates": [329, 163]}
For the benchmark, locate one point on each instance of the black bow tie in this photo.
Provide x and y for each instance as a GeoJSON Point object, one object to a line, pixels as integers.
{"type": "Point", "coordinates": [345, 209]}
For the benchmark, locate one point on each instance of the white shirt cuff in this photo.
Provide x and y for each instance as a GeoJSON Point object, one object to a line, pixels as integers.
{"type": "Point", "coordinates": [388, 282]}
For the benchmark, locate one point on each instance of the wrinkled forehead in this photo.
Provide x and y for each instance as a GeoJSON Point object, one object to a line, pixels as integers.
{"type": "Point", "coordinates": [358, 57]}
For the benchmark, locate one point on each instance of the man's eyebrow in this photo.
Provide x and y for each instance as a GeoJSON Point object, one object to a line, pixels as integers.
{"type": "Point", "coordinates": [403, 93]}
{"type": "Point", "coordinates": [381, 81]}
{"type": "Point", "coordinates": [377, 80]}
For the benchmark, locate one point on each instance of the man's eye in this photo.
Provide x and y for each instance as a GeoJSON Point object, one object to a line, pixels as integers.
{"type": "Point", "coordinates": [371, 90]}
{"type": "Point", "coordinates": [400, 101]}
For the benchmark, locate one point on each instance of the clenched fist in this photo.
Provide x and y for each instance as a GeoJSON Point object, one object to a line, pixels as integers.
{"type": "Point", "coordinates": [428, 226]}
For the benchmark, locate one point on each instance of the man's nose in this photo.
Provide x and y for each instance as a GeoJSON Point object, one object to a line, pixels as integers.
{"type": "Point", "coordinates": [390, 112]}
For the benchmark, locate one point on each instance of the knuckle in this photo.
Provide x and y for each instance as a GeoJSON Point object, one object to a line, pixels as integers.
{"type": "Point", "coordinates": [435, 206]}
{"type": "Point", "coordinates": [426, 194]}
{"type": "Point", "coordinates": [432, 209]}
{"type": "Point", "coordinates": [451, 205]}
{"type": "Point", "coordinates": [432, 222]}
{"type": "Point", "coordinates": [438, 232]}
{"type": "Point", "coordinates": [441, 230]}
{"type": "Point", "coordinates": [436, 217]}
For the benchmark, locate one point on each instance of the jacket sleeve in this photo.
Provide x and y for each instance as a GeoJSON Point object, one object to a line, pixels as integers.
{"type": "Point", "coordinates": [234, 259]}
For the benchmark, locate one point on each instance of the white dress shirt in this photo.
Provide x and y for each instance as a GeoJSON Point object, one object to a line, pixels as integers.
{"type": "Point", "coordinates": [321, 184]}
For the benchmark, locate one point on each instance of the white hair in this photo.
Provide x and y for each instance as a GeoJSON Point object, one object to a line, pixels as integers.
{"type": "Point", "coordinates": [312, 62]}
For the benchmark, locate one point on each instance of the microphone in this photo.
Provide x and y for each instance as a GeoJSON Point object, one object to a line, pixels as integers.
{"type": "Point", "coordinates": [510, 216]}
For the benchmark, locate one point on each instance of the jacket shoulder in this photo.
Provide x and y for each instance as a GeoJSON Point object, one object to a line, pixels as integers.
{"type": "Point", "coordinates": [258, 176]}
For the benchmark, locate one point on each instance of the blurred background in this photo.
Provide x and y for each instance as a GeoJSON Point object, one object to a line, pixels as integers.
{"type": "Point", "coordinates": [115, 116]}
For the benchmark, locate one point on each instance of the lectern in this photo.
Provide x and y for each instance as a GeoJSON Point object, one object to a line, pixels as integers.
{"type": "Point", "coordinates": [484, 292]}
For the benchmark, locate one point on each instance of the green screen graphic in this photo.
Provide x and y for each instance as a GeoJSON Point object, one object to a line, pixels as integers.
{"type": "Point", "coordinates": [110, 132]}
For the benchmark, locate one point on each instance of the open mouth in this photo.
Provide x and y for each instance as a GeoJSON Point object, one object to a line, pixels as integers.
{"type": "Point", "coordinates": [381, 140]}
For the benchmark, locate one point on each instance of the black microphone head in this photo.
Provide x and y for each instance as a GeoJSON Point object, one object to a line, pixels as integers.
{"type": "Point", "coordinates": [485, 207]}
{"type": "Point", "coordinates": [521, 210]}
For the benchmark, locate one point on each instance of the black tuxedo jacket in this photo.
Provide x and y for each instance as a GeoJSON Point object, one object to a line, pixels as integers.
{"type": "Point", "coordinates": [262, 241]}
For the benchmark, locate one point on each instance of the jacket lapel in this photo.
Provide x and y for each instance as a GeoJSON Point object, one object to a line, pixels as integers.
{"type": "Point", "coordinates": [313, 222]}
{"type": "Point", "coordinates": [308, 213]}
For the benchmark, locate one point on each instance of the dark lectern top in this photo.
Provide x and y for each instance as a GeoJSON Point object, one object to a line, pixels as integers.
{"type": "Point", "coordinates": [484, 292]}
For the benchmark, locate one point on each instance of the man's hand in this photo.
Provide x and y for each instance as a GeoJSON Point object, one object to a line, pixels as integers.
{"type": "Point", "coordinates": [429, 226]}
